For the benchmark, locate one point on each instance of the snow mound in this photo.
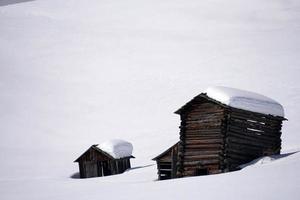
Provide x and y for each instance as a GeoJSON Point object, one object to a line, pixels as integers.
{"type": "Point", "coordinates": [117, 148]}
{"type": "Point", "coordinates": [259, 161]}
{"type": "Point", "coordinates": [245, 100]}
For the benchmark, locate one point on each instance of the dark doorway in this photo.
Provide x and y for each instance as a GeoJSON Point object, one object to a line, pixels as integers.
{"type": "Point", "coordinates": [201, 171]}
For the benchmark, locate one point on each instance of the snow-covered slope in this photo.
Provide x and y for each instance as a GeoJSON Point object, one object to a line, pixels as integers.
{"type": "Point", "coordinates": [269, 178]}
{"type": "Point", "coordinates": [75, 72]}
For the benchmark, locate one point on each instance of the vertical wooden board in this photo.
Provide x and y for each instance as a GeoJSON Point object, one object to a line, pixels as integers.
{"type": "Point", "coordinates": [174, 163]}
{"type": "Point", "coordinates": [81, 170]}
{"type": "Point", "coordinates": [112, 167]}
{"type": "Point", "coordinates": [129, 165]}
{"type": "Point", "coordinates": [117, 167]}
{"type": "Point", "coordinates": [159, 172]}
{"type": "Point", "coordinates": [120, 168]}
{"type": "Point", "coordinates": [122, 165]}
{"type": "Point", "coordinates": [100, 169]}
{"type": "Point", "coordinates": [106, 168]}
{"type": "Point", "coordinates": [91, 169]}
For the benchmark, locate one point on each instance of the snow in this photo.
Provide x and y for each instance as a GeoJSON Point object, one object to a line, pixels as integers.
{"type": "Point", "coordinates": [260, 161]}
{"type": "Point", "coordinates": [76, 72]}
{"type": "Point", "coordinates": [117, 148]}
{"type": "Point", "coordinates": [275, 180]}
{"type": "Point", "coordinates": [245, 100]}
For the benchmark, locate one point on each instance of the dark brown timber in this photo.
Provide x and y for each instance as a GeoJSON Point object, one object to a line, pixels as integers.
{"type": "Point", "coordinates": [216, 138]}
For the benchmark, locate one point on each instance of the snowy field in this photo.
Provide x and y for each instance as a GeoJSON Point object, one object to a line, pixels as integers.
{"type": "Point", "coordinates": [75, 73]}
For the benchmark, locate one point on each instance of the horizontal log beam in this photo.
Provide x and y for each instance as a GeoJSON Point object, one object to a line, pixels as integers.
{"type": "Point", "coordinates": [203, 157]}
{"type": "Point", "coordinates": [201, 137]}
{"type": "Point", "coordinates": [202, 127]}
{"type": "Point", "coordinates": [163, 170]}
{"type": "Point", "coordinates": [205, 146]}
{"type": "Point", "coordinates": [251, 116]}
{"type": "Point", "coordinates": [202, 162]}
{"type": "Point", "coordinates": [241, 147]}
{"type": "Point", "coordinates": [253, 136]}
{"type": "Point", "coordinates": [254, 139]}
{"type": "Point", "coordinates": [253, 125]}
{"type": "Point", "coordinates": [201, 141]}
{"type": "Point", "coordinates": [195, 152]}
{"type": "Point", "coordinates": [249, 143]}
{"type": "Point", "coordinates": [211, 131]}
{"type": "Point", "coordinates": [249, 131]}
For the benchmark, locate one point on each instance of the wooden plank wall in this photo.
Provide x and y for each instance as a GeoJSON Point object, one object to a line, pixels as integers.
{"type": "Point", "coordinates": [122, 165]}
{"type": "Point", "coordinates": [114, 166]}
{"type": "Point", "coordinates": [164, 170]}
{"type": "Point", "coordinates": [92, 155]}
{"type": "Point", "coordinates": [167, 164]}
{"type": "Point", "coordinates": [201, 139]}
{"type": "Point", "coordinates": [220, 138]}
{"type": "Point", "coordinates": [249, 136]}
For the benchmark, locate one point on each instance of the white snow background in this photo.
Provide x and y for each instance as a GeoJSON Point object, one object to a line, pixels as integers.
{"type": "Point", "coordinates": [75, 73]}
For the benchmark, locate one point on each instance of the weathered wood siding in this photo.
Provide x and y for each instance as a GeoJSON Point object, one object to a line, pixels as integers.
{"type": "Point", "coordinates": [167, 164]}
{"type": "Point", "coordinates": [93, 164]}
{"type": "Point", "coordinates": [201, 139]}
{"type": "Point", "coordinates": [249, 136]}
{"type": "Point", "coordinates": [217, 138]}
{"type": "Point", "coordinates": [92, 155]}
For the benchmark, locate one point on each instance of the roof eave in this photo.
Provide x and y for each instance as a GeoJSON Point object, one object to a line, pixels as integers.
{"type": "Point", "coordinates": [103, 152]}
{"type": "Point", "coordinates": [202, 95]}
{"type": "Point", "coordinates": [163, 153]}
{"type": "Point", "coordinates": [125, 157]}
{"type": "Point", "coordinates": [77, 160]}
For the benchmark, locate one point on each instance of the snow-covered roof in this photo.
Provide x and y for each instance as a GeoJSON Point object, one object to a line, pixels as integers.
{"type": "Point", "coordinates": [117, 148]}
{"type": "Point", "coordinates": [245, 100]}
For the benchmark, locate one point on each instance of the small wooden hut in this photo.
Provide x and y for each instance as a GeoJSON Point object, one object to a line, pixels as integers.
{"type": "Point", "coordinates": [217, 136]}
{"type": "Point", "coordinates": [95, 162]}
{"type": "Point", "coordinates": [167, 163]}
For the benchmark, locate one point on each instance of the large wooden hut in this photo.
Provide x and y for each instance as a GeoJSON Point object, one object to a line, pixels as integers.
{"type": "Point", "coordinates": [96, 162]}
{"type": "Point", "coordinates": [222, 129]}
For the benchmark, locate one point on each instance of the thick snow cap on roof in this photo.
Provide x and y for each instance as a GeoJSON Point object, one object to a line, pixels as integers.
{"type": "Point", "coordinates": [117, 148]}
{"type": "Point", "coordinates": [245, 100]}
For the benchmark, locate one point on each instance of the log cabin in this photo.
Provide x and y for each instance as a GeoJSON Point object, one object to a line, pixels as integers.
{"type": "Point", "coordinates": [220, 130]}
{"type": "Point", "coordinates": [97, 161]}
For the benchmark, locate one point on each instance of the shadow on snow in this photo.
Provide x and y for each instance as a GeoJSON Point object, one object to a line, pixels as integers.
{"type": "Point", "coordinates": [9, 2]}
{"type": "Point", "coordinates": [76, 175]}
